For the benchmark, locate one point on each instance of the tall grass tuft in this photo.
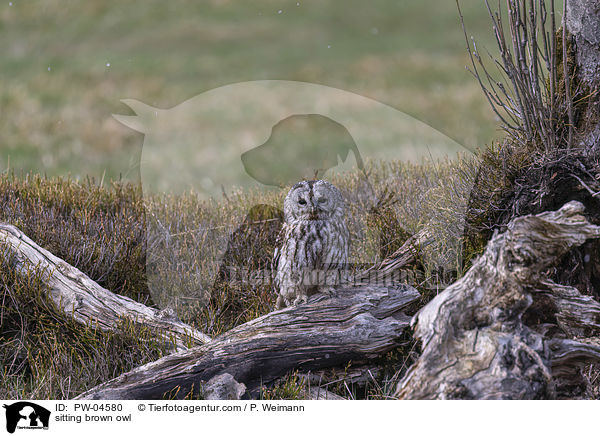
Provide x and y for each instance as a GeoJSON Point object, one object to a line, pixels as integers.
{"type": "Point", "coordinates": [100, 230]}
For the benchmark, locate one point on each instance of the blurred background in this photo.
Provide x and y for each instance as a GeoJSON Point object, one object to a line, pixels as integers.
{"type": "Point", "coordinates": [65, 65]}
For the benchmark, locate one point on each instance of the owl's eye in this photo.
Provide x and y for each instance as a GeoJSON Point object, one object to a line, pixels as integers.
{"type": "Point", "coordinates": [322, 200]}
{"type": "Point", "coordinates": [302, 201]}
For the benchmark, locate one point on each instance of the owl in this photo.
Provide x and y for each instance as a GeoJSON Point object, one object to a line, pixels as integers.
{"type": "Point", "coordinates": [312, 250]}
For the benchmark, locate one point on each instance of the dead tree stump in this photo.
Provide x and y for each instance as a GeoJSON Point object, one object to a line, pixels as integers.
{"type": "Point", "coordinates": [505, 330]}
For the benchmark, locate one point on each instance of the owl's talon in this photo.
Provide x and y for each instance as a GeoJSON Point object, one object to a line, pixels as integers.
{"type": "Point", "coordinates": [280, 303]}
{"type": "Point", "coordinates": [329, 291]}
{"type": "Point", "coordinates": [300, 299]}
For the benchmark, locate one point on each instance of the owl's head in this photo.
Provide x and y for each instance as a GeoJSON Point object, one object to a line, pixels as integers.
{"type": "Point", "coordinates": [313, 200]}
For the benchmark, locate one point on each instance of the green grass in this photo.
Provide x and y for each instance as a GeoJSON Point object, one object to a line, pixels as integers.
{"type": "Point", "coordinates": [407, 54]}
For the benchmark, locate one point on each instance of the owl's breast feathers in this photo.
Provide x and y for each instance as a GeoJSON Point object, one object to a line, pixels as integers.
{"type": "Point", "coordinates": [315, 244]}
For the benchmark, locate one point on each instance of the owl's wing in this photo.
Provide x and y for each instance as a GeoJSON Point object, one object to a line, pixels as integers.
{"type": "Point", "coordinates": [276, 257]}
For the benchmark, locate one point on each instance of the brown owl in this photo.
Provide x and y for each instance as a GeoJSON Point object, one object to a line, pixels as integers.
{"type": "Point", "coordinates": [313, 245]}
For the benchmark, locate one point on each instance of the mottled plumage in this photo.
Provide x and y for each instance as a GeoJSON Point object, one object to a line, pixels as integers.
{"type": "Point", "coordinates": [312, 251]}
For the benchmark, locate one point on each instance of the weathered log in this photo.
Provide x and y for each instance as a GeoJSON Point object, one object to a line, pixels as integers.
{"type": "Point", "coordinates": [356, 324]}
{"type": "Point", "coordinates": [406, 255]}
{"type": "Point", "coordinates": [577, 315]}
{"type": "Point", "coordinates": [88, 303]}
{"type": "Point", "coordinates": [480, 338]}
{"type": "Point", "coordinates": [583, 22]}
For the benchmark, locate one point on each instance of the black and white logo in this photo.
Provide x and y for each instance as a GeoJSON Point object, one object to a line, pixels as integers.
{"type": "Point", "coordinates": [26, 415]}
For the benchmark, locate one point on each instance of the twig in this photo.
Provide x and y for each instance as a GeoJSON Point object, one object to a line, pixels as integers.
{"type": "Point", "coordinates": [590, 190]}
{"type": "Point", "coordinates": [526, 108]}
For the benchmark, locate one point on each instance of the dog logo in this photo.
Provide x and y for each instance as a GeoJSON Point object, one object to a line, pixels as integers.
{"type": "Point", "coordinates": [261, 137]}
{"type": "Point", "coordinates": [198, 143]}
{"type": "Point", "coordinates": [26, 415]}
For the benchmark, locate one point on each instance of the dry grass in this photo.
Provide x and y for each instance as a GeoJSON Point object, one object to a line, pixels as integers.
{"type": "Point", "coordinates": [100, 230]}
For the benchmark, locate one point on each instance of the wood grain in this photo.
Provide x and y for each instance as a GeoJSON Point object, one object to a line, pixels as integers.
{"type": "Point", "coordinates": [88, 303]}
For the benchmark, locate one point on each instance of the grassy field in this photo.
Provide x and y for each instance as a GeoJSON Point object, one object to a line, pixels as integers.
{"type": "Point", "coordinates": [66, 66]}
{"type": "Point", "coordinates": [64, 70]}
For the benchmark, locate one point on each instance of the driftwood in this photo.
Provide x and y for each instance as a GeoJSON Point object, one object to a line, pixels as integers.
{"type": "Point", "coordinates": [89, 303]}
{"type": "Point", "coordinates": [356, 324]}
{"type": "Point", "coordinates": [504, 330]}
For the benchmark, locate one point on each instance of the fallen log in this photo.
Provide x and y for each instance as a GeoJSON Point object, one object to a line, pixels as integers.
{"type": "Point", "coordinates": [88, 303]}
{"type": "Point", "coordinates": [356, 324]}
{"type": "Point", "coordinates": [404, 256]}
{"type": "Point", "coordinates": [504, 330]}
